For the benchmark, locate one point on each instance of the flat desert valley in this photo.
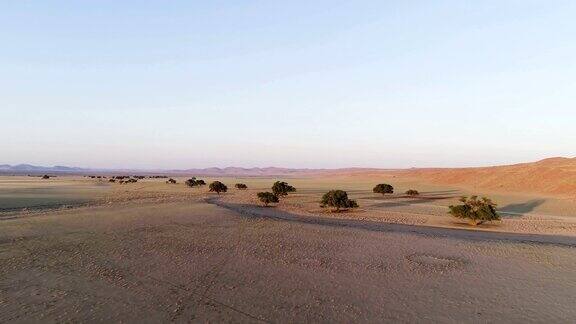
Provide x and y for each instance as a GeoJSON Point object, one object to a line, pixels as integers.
{"type": "Point", "coordinates": [76, 249]}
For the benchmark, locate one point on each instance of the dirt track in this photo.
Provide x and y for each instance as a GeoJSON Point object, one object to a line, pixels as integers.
{"type": "Point", "coordinates": [182, 261]}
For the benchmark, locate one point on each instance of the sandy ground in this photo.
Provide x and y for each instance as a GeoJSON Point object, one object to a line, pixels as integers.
{"type": "Point", "coordinates": [33, 193]}
{"type": "Point", "coordinates": [151, 252]}
{"type": "Point", "coordinates": [182, 261]}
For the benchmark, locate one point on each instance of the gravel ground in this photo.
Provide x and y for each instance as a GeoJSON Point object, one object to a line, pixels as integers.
{"type": "Point", "coordinates": [188, 260]}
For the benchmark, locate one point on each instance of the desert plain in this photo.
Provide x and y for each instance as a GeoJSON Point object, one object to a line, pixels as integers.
{"type": "Point", "coordinates": [75, 249]}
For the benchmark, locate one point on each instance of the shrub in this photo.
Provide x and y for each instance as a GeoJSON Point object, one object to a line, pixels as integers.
{"type": "Point", "coordinates": [412, 192]}
{"type": "Point", "coordinates": [383, 188]}
{"type": "Point", "coordinates": [171, 181]}
{"type": "Point", "coordinates": [282, 188]}
{"type": "Point", "coordinates": [191, 182]}
{"type": "Point", "coordinates": [45, 176]}
{"type": "Point", "coordinates": [267, 198]}
{"type": "Point", "coordinates": [476, 211]}
{"type": "Point", "coordinates": [241, 186]}
{"type": "Point", "coordinates": [337, 199]}
{"type": "Point", "coordinates": [112, 180]}
{"type": "Point", "coordinates": [218, 187]}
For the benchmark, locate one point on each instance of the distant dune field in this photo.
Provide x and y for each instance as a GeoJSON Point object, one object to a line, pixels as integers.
{"type": "Point", "coordinates": [554, 176]}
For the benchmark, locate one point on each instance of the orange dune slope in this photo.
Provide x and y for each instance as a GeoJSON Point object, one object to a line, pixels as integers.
{"type": "Point", "coordinates": [556, 176]}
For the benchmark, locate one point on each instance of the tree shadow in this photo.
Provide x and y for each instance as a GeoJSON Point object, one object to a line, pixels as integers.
{"type": "Point", "coordinates": [522, 208]}
{"type": "Point", "coordinates": [423, 197]}
{"type": "Point", "coordinates": [441, 193]}
{"type": "Point", "coordinates": [411, 201]}
{"type": "Point", "coordinates": [399, 200]}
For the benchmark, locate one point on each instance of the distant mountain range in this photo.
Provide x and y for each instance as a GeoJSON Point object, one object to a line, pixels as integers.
{"type": "Point", "coordinates": [229, 171]}
{"type": "Point", "coordinates": [33, 168]}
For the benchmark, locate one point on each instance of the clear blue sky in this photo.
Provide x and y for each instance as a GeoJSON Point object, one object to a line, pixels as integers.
{"type": "Point", "coordinates": [177, 84]}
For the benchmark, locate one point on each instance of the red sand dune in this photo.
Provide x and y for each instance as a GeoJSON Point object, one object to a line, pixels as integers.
{"type": "Point", "coordinates": [554, 176]}
{"type": "Point", "coordinates": [550, 176]}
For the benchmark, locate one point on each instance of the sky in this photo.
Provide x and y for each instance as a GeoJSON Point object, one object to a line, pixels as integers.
{"type": "Point", "coordinates": [315, 84]}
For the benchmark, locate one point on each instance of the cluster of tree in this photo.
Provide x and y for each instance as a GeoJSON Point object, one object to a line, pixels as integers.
{"type": "Point", "coordinates": [241, 186]}
{"type": "Point", "coordinates": [96, 177]}
{"type": "Point", "coordinates": [128, 181]}
{"type": "Point", "coordinates": [383, 188]}
{"type": "Point", "coordinates": [119, 179]}
{"type": "Point", "coordinates": [475, 210]}
{"type": "Point", "coordinates": [337, 199]}
{"type": "Point", "coordinates": [279, 189]}
{"type": "Point", "coordinates": [193, 182]}
{"type": "Point", "coordinates": [218, 187]}
{"type": "Point", "coordinates": [139, 177]}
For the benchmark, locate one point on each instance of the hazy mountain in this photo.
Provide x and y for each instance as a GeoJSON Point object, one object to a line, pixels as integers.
{"type": "Point", "coordinates": [20, 168]}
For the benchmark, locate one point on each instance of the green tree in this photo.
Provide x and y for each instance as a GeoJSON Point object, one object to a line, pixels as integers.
{"type": "Point", "coordinates": [191, 182]}
{"type": "Point", "coordinates": [476, 211]}
{"type": "Point", "coordinates": [241, 186]}
{"type": "Point", "coordinates": [412, 192]}
{"type": "Point", "coordinates": [267, 198]}
{"type": "Point", "coordinates": [383, 188]}
{"type": "Point", "coordinates": [218, 187]}
{"type": "Point", "coordinates": [282, 188]}
{"type": "Point", "coordinates": [337, 199]}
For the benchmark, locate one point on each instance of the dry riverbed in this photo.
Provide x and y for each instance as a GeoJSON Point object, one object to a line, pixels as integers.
{"type": "Point", "coordinates": [415, 211]}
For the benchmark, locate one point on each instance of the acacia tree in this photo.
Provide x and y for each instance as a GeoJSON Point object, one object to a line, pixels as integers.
{"type": "Point", "coordinates": [191, 182]}
{"type": "Point", "coordinates": [267, 198]}
{"type": "Point", "coordinates": [282, 188]}
{"type": "Point", "coordinates": [241, 186]}
{"type": "Point", "coordinates": [218, 187]}
{"type": "Point", "coordinates": [412, 192]}
{"type": "Point", "coordinates": [337, 199]}
{"type": "Point", "coordinates": [476, 211]}
{"type": "Point", "coordinates": [383, 188]}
